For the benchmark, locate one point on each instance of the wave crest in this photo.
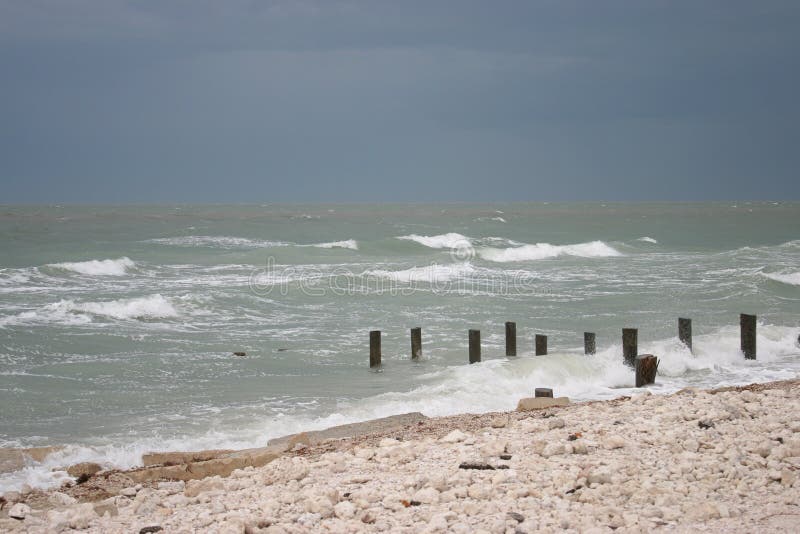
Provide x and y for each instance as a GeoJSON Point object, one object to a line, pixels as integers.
{"type": "Point", "coordinates": [116, 267]}
{"type": "Point", "coordinates": [792, 279]}
{"type": "Point", "coordinates": [70, 312]}
{"type": "Point", "coordinates": [430, 273]}
{"type": "Point", "coordinates": [540, 251]}
{"type": "Point", "coordinates": [351, 244]}
{"type": "Point", "coordinates": [449, 240]}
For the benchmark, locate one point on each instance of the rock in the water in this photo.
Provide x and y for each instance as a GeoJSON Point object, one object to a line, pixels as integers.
{"type": "Point", "coordinates": [15, 459]}
{"type": "Point", "coordinates": [540, 403]}
{"type": "Point", "coordinates": [84, 469]}
{"type": "Point", "coordinates": [240, 353]}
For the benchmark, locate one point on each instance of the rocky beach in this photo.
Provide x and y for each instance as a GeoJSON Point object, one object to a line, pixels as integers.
{"type": "Point", "coordinates": [698, 460]}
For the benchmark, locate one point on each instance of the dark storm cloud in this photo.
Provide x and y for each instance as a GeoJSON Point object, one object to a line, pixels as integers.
{"type": "Point", "coordinates": [105, 100]}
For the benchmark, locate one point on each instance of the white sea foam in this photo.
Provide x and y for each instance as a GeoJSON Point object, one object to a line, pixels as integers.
{"type": "Point", "coordinates": [430, 273]}
{"type": "Point", "coordinates": [225, 242]}
{"type": "Point", "coordinates": [116, 267]}
{"type": "Point", "coordinates": [351, 244]}
{"type": "Point", "coordinates": [786, 278]}
{"type": "Point", "coordinates": [449, 240]}
{"type": "Point", "coordinates": [9, 277]}
{"type": "Point", "coordinates": [647, 240]}
{"type": "Point", "coordinates": [540, 251]}
{"type": "Point", "coordinates": [150, 307]}
{"type": "Point", "coordinates": [69, 312]}
{"type": "Point", "coordinates": [493, 385]}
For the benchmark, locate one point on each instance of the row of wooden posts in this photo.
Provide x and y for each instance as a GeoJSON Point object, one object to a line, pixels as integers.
{"type": "Point", "coordinates": [646, 365]}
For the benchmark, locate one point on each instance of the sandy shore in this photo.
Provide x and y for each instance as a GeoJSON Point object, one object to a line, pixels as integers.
{"type": "Point", "coordinates": [723, 460]}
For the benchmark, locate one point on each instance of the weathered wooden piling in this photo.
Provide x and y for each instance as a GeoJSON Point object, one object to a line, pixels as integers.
{"type": "Point", "coordinates": [747, 324]}
{"type": "Point", "coordinates": [646, 369]}
{"type": "Point", "coordinates": [375, 348]}
{"type": "Point", "coordinates": [511, 338]}
{"type": "Point", "coordinates": [630, 345]}
{"type": "Point", "coordinates": [543, 392]}
{"type": "Point", "coordinates": [474, 346]}
{"type": "Point", "coordinates": [416, 343]}
{"type": "Point", "coordinates": [541, 345]}
{"type": "Point", "coordinates": [589, 346]}
{"type": "Point", "coordinates": [685, 331]}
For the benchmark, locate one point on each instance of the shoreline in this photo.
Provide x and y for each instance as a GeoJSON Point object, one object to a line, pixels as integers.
{"type": "Point", "coordinates": [409, 448]}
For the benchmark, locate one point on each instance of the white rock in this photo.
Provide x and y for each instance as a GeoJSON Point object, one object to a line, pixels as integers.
{"type": "Point", "coordinates": [494, 447]}
{"type": "Point", "coordinates": [580, 447]}
{"type": "Point", "coordinates": [555, 422]}
{"type": "Point", "coordinates": [61, 499]}
{"type": "Point", "coordinates": [344, 510]}
{"type": "Point", "coordinates": [19, 511]}
{"type": "Point", "coordinates": [196, 487]}
{"type": "Point", "coordinates": [613, 442]}
{"type": "Point", "coordinates": [427, 496]}
{"type": "Point", "coordinates": [553, 449]}
{"type": "Point", "coordinates": [128, 492]}
{"type": "Point", "coordinates": [365, 453]}
{"type": "Point", "coordinates": [455, 436]}
{"type": "Point", "coordinates": [388, 442]}
{"type": "Point", "coordinates": [479, 491]}
{"type": "Point", "coordinates": [599, 476]}
{"type": "Point", "coordinates": [308, 519]}
{"type": "Point", "coordinates": [172, 487]}
{"type": "Point", "coordinates": [501, 421]}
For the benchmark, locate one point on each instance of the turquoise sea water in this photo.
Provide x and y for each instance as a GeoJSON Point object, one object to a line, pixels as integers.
{"type": "Point", "coordinates": [117, 324]}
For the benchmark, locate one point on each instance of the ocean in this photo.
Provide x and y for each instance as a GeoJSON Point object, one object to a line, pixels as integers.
{"type": "Point", "coordinates": [118, 324]}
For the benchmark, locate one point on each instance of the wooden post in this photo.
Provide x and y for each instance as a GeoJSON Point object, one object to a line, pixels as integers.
{"type": "Point", "coordinates": [543, 392]}
{"type": "Point", "coordinates": [747, 324]}
{"type": "Point", "coordinates": [630, 345]}
{"type": "Point", "coordinates": [474, 346]}
{"type": "Point", "coordinates": [375, 348]}
{"type": "Point", "coordinates": [646, 369]}
{"type": "Point", "coordinates": [588, 343]}
{"type": "Point", "coordinates": [511, 339]}
{"type": "Point", "coordinates": [416, 343]}
{"type": "Point", "coordinates": [685, 332]}
{"type": "Point", "coordinates": [541, 345]}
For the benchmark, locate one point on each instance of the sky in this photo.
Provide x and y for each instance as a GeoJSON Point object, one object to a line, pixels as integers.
{"type": "Point", "coordinates": [110, 101]}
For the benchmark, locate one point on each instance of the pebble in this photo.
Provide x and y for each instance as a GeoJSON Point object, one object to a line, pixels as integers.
{"type": "Point", "coordinates": [454, 437]}
{"type": "Point", "coordinates": [576, 471]}
{"type": "Point", "coordinates": [19, 511]}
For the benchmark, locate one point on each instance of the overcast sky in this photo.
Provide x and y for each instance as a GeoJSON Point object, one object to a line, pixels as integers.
{"type": "Point", "coordinates": [237, 101]}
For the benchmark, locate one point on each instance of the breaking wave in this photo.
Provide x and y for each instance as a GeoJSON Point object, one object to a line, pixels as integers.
{"type": "Point", "coordinates": [430, 273]}
{"type": "Point", "coordinates": [449, 240]}
{"type": "Point", "coordinates": [648, 240]}
{"type": "Point", "coordinates": [351, 244]}
{"type": "Point", "coordinates": [225, 242]}
{"type": "Point", "coordinates": [787, 278]}
{"type": "Point", "coordinates": [540, 251]}
{"type": "Point", "coordinates": [70, 312]}
{"type": "Point", "coordinates": [116, 267]}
